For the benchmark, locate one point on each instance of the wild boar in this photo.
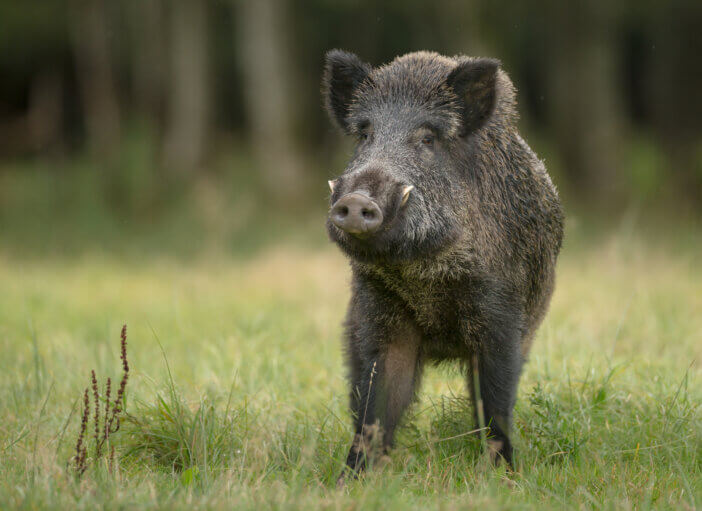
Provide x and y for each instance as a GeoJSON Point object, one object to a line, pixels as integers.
{"type": "Point", "coordinates": [452, 227]}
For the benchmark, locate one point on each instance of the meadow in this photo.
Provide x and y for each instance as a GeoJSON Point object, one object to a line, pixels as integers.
{"type": "Point", "coordinates": [237, 399]}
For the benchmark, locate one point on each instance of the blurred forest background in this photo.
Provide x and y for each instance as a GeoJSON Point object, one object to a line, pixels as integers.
{"type": "Point", "coordinates": [186, 123]}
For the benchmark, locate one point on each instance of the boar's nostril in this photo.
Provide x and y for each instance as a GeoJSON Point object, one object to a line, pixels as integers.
{"type": "Point", "coordinates": [356, 213]}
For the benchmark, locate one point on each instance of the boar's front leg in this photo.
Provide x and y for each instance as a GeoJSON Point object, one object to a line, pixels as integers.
{"type": "Point", "coordinates": [498, 362]}
{"type": "Point", "coordinates": [385, 367]}
{"type": "Point", "coordinates": [497, 380]}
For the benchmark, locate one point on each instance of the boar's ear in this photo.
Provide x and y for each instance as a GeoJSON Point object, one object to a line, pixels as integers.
{"type": "Point", "coordinates": [474, 81]}
{"type": "Point", "coordinates": [343, 72]}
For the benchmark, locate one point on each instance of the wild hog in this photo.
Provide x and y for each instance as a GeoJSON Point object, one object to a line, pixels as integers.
{"type": "Point", "coordinates": [452, 228]}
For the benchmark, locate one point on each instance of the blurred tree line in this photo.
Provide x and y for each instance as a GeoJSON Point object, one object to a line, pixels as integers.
{"type": "Point", "coordinates": [610, 91]}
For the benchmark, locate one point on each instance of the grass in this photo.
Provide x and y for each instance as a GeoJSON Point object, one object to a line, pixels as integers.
{"type": "Point", "coordinates": [237, 396]}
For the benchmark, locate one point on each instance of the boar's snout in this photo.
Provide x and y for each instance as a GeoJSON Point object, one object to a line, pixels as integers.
{"type": "Point", "coordinates": [356, 213]}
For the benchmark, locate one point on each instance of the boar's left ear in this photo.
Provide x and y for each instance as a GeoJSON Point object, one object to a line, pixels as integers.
{"type": "Point", "coordinates": [343, 73]}
{"type": "Point", "coordinates": [474, 81]}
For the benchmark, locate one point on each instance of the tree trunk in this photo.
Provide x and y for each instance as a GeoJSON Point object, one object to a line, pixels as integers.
{"type": "Point", "coordinates": [674, 82]}
{"type": "Point", "coordinates": [188, 101]}
{"type": "Point", "coordinates": [269, 86]}
{"type": "Point", "coordinates": [146, 19]}
{"type": "Point", "coordinates": [586, 115]}
{"type": "Point", "coordinates": [89, 30]}
{"type": "Point", "coordinates": [45, 112]}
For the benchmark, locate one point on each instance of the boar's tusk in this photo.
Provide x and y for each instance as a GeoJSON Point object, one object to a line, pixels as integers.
{"type": "Point", "coordinates": [331, 184]}
{"type": "Point", "coordinates": [406, 193]}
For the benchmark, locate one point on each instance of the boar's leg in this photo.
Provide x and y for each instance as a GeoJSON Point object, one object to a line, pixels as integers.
{"type": "Point", "coordinates": [385, 371]}
{"type": "Point", "coordinates": [402, 370]}
{"type": "Point", "coordinates": [364, 385]}
{"type": "Point", "coordinates": [497, 380]}
{"type": "Point", "coordinates": [498, 361]}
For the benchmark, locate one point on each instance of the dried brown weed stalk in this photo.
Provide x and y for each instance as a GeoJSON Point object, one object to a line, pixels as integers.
{"type": "Point", "coordinates": [108, 424]}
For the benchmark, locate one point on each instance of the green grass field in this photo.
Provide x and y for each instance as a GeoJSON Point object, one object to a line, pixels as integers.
{"type": "Point", "coordinates": [237, 399]}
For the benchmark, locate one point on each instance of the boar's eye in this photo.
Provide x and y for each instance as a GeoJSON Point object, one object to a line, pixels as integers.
{"type": "Point", "coordinates": [364, 137]}
{"type": "Point", "coordinates": [428, 140]}
{"type": "Point", "coordinates": [363, 131]}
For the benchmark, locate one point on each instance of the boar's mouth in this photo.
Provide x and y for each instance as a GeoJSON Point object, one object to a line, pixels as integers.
{"type": "Point", "coordinates": [368, 228]}
{"type": "Point", "coordinates": [361, 213]}
{"type": "Point", "coordinates": [400, 237]}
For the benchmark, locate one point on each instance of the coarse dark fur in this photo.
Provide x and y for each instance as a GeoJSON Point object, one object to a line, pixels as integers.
{"type": "Point", "coordinates": [464, 269]}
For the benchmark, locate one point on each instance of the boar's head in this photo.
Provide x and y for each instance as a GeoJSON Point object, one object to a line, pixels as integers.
{"type": "Point", "coordinates": [402, 195]}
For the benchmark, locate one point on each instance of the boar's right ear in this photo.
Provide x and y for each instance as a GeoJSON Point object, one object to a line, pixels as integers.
{"type": "Point", "coordinates": [343, 73]}
{"type": "Point", "coordinates": [474, 81]}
